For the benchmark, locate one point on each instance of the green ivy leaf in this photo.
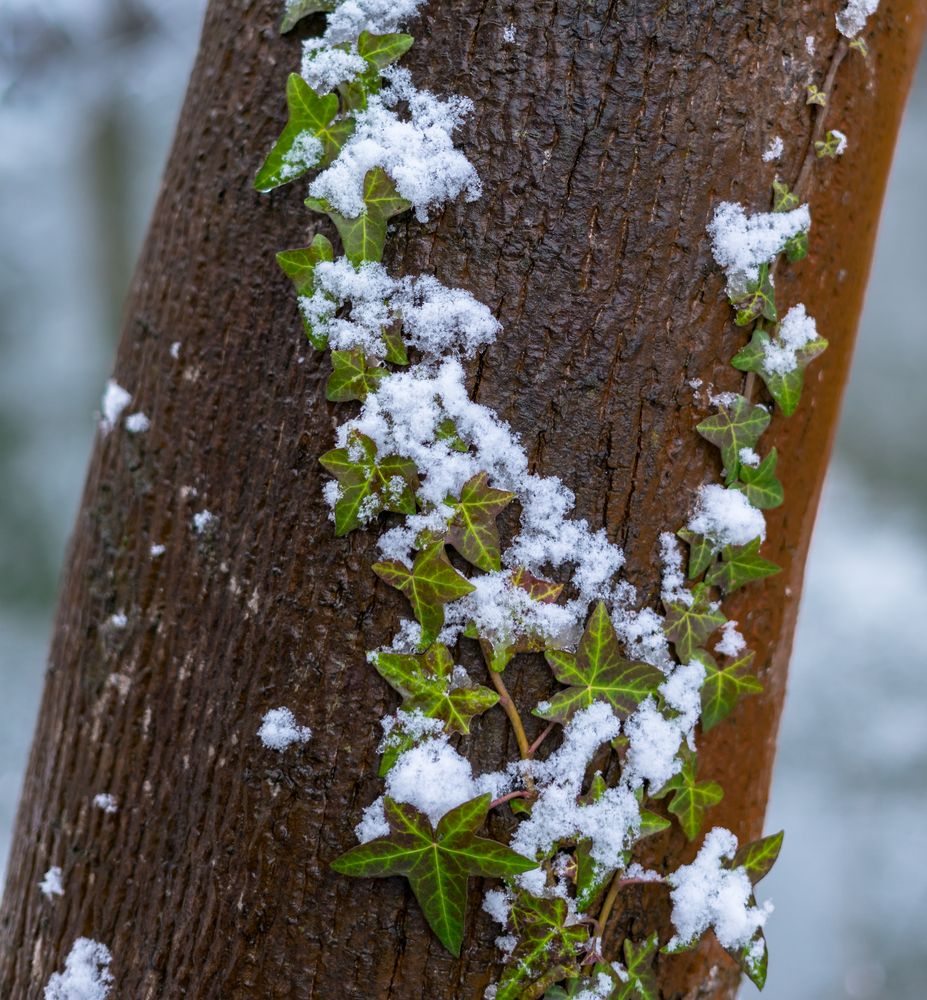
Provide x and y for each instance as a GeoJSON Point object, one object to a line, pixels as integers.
{"type": "Point", "coordinates": [760, 484]}
{"type": "Point", "coordinates": [299, 267]}
{"type": "Point", "coordinates": [724, 687]}
{"type": "Point", "coordinates": [701, 551]}
{"type": "Point", "coordinates": [756, 299]}
{"type": "Point", "coordinates": [796, 247]}
{"type": "Point", "coordinates": [381, 50]}
{"type": "Point", "coordinates": [753, 957]}
{"type": "Point", "coordinates": [352, 377]}
{"type": "Point", "coordinates": [688, 626]}
{"type": "Point", "coordinates": [396, 353]}
{"type": "Point", "coordinates": [758, 856]}
{"type": "Point", "coordinates": [428, 684]}
{"type": "Point", "coordinates": [642, 981]}
{"type": "Point", "coordinates": [447, 431]}
{"type": "Point", "coordinates": [436, 861]}
{"type": "Point", "coordinates": [691, 799]}
{"type": "Point", "coordinates": [785, 388]}
{"type": "Point", "coordinates": [369, 486]}
{"type": "Point", "coordinates": [311, 116]}
{"type": "Point", "coordinates": [783, 199]}
{"type": "Point", "coordinates": [498, 656]}
{"type": "Point", "coordinates": [598, 672]}
{"type": "Point", "coordinates": [738, 424]}
{"type": "Point", "coordinates": [296, 10]}
{"type": "Point", "coordinates": [363, 238]}
{"type": "Point", "coordinates": [740, 564]}
{"type": "Point", "coordinates": [546, 949]}
{"type": "Point", "coordinates": [472, 530]}
{"type": "Point", "coordinates": [430, 584]}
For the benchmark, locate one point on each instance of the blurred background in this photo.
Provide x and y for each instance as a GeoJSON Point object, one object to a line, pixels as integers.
{"type": "Point", "coordinates": [89, 94]}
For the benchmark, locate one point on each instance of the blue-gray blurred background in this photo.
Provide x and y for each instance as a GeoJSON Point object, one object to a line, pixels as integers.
{"type": "Point", "coordinates": [89, 93]}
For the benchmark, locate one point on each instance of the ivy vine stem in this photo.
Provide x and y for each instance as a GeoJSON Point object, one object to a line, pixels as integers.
{"type": "Point", "coordinates": [508, 706]}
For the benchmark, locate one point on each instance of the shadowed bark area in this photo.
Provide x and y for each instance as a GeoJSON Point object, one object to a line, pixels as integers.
{"type": "Point", "coordinates": [604, 135]}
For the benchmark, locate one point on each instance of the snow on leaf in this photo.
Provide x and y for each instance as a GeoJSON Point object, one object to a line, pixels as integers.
{"type": "Point", "coordinates": [352, 377]}
{"type": "Point", "coordinates": [426, 683]}
{"type": "Point", "coordinates": [598, 672]}
{"type": "Point", "coordinates": [737, 424]}
{"type": "Point", "coordinates": [436, 860]}
{"type": "Point", "coordinates": [299, 267]}
{"type": "Point", "coordinates": [296, 10]}
{"type": "Point", "coordinates": [755, 299]}
{"type": "Point", "coordinates": [472, 530]}
{"type": "Point", "coordinates": [546, 948]}
{"type": "Point", "coordinates": [310, 139]}
{"type": "Point", "coordinates": [760, 485]}
{"type": "Point", "coordinates": [688, 626]}
{"type": "Point", "coordinates": [740, 564]}
{"type": "Point", "coordinates": [363, 237]}
{"type": "Point", "coordinates": [724, 687]}
{"type": "Point", "coordinates": [691, 798]}
{"type": "Point", "coordinates": [430, 584]}
{"type": "Point", "coordinates": [784, 386]}
{"type": "Point", "coordinates": [368, 485]}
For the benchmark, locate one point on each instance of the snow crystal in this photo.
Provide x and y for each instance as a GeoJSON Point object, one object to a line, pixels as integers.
{"type": "Point", "coordinates": [279, 730]}
{"type": "Point", "coordinates": [726, 516]}
{"type": "Point", "coordinates": [418, 154]}
{"type": "Point", "coordinates": [158, 550]}
{"type": "Point", "coordinates": [841, 141]}
{"type": "Point", "coordinates": [323, 68]}
{"type": "Point", "coordinates": [706, 894]}
{"type": "Point", "coordinates": [51, 884]}
{"type": "Point", "coordinates": [204, 520]}
{"type": "Point", "coordinates": [509, 33]}
{"type": "Point", "coordinates": [115, 400]}
{"type": "Point", "coordinates": [809, 44]}
{"type": "Point", "coordinates": [603, 989]}
{"type": "Point", "coordinates": [434, 778]}
{"type": "Point", "coordinates": [774, 149]}
{"type": "Point", "coordinates": [106, 802]}
{"type": "Point", "coordinates": [749, 458]}
{"type": "Point", "coordinates": [731, 643]}
{"type": "Point", "coordinates": [608, 823]}
{"type": "Point", "coordinates": [436, 319]}
{"type": "Point", "coordinates": [373, 823]}
{"type": "Point", "coordinates": [175, 350]}
{"type": "Point", "coordinates": [741, 242]}
{"type": "Point", "coordinates": [497, 903]}
{"type": "Point", "coordinates": [643, 636]}
{"type": "Point", "coordinates": [797, 330]}
{"type": "Point", "coordinates": [674, 579]}
{"type": "Point", "coordinates": [506, 943]}
{"type": "Point", "coordinates": [379, 17]}
{"type": "Point", "coordinates": [852, 19]}
{"type": "Point", "coordinates": [117, 621]}
{"type": "Point", "coordinates": [137, 423]}
{"type": "Point", "coordinates": [86, 973]}
{"type": "Point", "coordinates": [304, 153]}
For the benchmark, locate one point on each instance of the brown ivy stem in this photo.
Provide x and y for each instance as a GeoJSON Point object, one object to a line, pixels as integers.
{"type": "Point", "coordinates": [533, 749]}
{"type": "Point", "coordinates": [521, 794]}
{"type": "Point", "coordinates": [608, 904]}
{"type": "Point", "coordinates": [508, 706]}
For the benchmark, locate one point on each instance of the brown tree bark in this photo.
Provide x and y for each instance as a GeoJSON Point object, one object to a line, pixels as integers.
{"type": "Point", "coordinates": [604, 137]}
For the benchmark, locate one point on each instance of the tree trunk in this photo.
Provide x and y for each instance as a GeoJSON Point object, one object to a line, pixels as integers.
{"type": "Point", "coordinates": [604, 137]}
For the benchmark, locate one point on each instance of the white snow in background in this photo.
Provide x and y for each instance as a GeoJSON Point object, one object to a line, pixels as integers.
{"type": "Point", "coordinates": [86, 973]}
{"type": "Point", "coordinates": [726, 516]}
{"type": "Point", "coordinates": [51, 884]}
{"type": "Point", "coordinates": [852, 19]}
{"type": "Point", "coordinates": [707, 895]}
{"type": "Point", "coordinates": [741, 243]}
{"type": "Point", "coordinates": [115, 400]}
{"type": "Point", "coordinates": [280, 730]}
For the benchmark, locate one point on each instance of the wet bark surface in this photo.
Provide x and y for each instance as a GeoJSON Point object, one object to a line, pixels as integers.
{"type": "Point", "coordinates": [604, 136]}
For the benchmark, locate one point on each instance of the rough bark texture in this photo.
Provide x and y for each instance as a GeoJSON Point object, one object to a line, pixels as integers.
{"type": "Point", "coordinates": [604, 136]}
